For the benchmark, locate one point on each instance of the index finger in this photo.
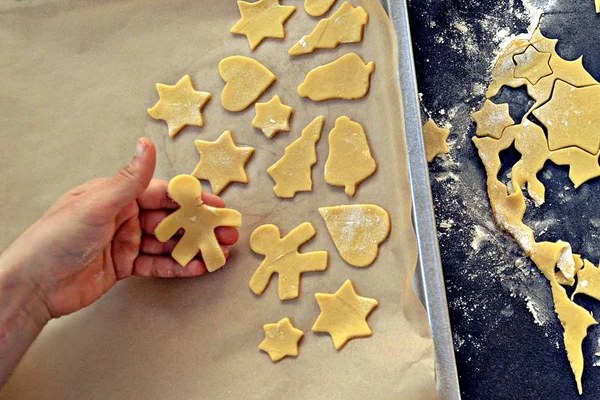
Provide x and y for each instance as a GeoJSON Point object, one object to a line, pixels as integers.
{"type": "Point", "coordinates": [155, 197]}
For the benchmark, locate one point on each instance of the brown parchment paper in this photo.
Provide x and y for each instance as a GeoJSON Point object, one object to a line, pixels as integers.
{"type": "Point", "coordinates": [76, 78]}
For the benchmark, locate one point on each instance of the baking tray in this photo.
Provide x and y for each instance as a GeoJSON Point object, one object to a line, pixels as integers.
{"type": "Point", "coordinates": [429, 282]}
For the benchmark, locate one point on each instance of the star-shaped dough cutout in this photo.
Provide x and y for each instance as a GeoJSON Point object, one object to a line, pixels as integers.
{"type": "Point", "coordinates": [179, 105]}
{"type": "Point", "coordinates": [435, 140]}
{"type": "Point", "coordinates": [222, 162]}
{"type": "Point", "coordinates": [571, 117]}
{"type": "Point", "coordinates": [272, 117]}
{"type": "Point", "coordinates": [532, 65]}
{"type": "Point", "coordinates": [262, 19]}
{"type": "Point", "coordinates": [344, 314]}
{"type": "Point", "coordinates": [281, 340]}
{"type": "Point", "coordinates": [492, 119]}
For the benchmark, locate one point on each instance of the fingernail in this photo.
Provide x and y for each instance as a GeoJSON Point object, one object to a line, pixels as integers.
{"type": "Point", "coordinates": [140, 148]}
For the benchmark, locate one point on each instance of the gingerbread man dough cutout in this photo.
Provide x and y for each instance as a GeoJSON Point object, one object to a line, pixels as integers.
{"type": "Point", "coordinates": [198, 220]}
{"type": "Point", "coordinates": [282, 257]}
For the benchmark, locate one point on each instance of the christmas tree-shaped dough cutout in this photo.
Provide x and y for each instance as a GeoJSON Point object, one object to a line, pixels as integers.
{"type": "Point", "coordinates": [198, 221]}
{"type": "Point", "coordinates": [282, 257]}
{"type": "Point", "coordinates": [293, 172]}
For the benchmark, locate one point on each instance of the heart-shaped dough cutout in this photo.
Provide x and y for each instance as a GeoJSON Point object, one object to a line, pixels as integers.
{"type": "Point", "coordinates": [357, 231]}
{"type": "Point", "coordinates": [245, 80]}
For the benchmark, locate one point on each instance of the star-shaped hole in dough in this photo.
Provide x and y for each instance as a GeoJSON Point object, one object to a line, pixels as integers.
{"type": "Point", "coordinates": [492, 119]}
{"type": "Point", "coordinates": [572, 118]}
{"type": "Point", "coordinates": [179, 105]}
{"type": "Point", "coordinates": [281, 340]}
{"type": "Point", "coordinates": [344, 314]}
{"type": "Point", "coordinates": [222, 162]}
{"type": "Point", "coordinates": [272, 117]}
{"type": "Point", "coordinates": [532, 65]}
{"type": "Point", "coordinates": [262, 19]}
{"type": "Point", "coordinates": [435, 140]}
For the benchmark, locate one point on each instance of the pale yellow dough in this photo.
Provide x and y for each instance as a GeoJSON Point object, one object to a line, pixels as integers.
{"type": "Point", "coordinates": [583, 166]}
{"type": "Point", "coordinates": [532, 65]}
{"type": "Point", "coordinates": [344, 315]}
{"type": "Point", "coordinates": [222, 162]}
{"type": "Point", "coordinates": [282, 257]}
{"type": "Point", "coordinates": [292, 173]}
{"type": "Point", "coordinates": [272, 117]}
{"type": "Point", "coordinates": [598, 6]}
{"type": "Point", "coordinates": [588, 281]}
{"type": "Point", "coordinates": [198, 221]}
{"type": "Point", "coordinates": [179, 105]}
{"type": "Point", "coordinates": [245, 80]}
{"type": "Point", "coordinates": [350, 161]}
{"type": "Point", "coordinates": [262, 19]}
{"type": "Point", "coordinates": [492, 119]}
{"type": "Point", "coordinates": [344, 26]}
{"type": "Point", "coordinates": [435, 139]}
{"type": "Point", "coordinates": [357, 231]}
{"type": "Point", "coordinates": [316, 8]}
{"type": "Point", "coordinates": [281, 340]}
{"type": "Point", "coordinates": [346, 78]}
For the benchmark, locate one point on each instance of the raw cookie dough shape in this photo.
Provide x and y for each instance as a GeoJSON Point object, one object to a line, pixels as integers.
{"type": "Point", "coordinates": [245, 80]}
{"type": "Point", "coordinates": [492, 119]}
{"type": "Point", "coordinates": [357, 231]}
{"type": "Point", "coordinates": [179, 105]}
{"type": "Point", "coordinates": [222, 162]}
{"type": "Point", "coordinates": [435, 139]}
{"type": "Point", "coordinates": [272, 117]}
{"type": "Point", "coordinates": [344, 315]}
{"type": "Point", "coordinates": [588, 281]}
{"type": "Point", "coordinates": [583, 166]}
{"type": "Point", "coordinates": [350, 161]}
{"type": "Point", "coordinates": [316, 8]}
{"type": "Point", "coordinates": [598, 6]}
{"type": "Point", "coordinates": [572, 117]}
{"type": "Point", "coordinates": [346, 78]}
{"type": "Point", "coordinates": [346, 25]}
{"type": "Point", "coordinates": [198, 221]}
{"type": "Point", "coordinates": [282, 257]}
{"type": "Point", "coordinates": [281, 340]}
{"type": "Point", "coordinates": [262, 19]}
{"type": "Point", "coordinates": [532, 65]}
{"type": "Point", "coordinates": [292, 173]}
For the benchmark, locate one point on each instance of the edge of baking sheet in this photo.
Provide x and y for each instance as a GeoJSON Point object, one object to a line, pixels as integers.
{"type": "Point", "coordinates": [431, 279]}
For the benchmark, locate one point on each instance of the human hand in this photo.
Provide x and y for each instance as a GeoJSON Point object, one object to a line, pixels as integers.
{"type": "Point", "coordinates": [99, 233]}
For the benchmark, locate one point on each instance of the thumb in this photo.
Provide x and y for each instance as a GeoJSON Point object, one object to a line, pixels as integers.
{"type": "Point", "coordinates": [135, 177]}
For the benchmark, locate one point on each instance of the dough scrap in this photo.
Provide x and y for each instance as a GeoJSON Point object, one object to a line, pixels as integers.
{"type": "Point", "coordinates": [245, 80]}
{"type": "Point", "coordinates": [316, 8]}
{"type": "Point", "coordinates": [346, 78]}
{"type": "Point", "coordinates": [344, 315]}
{"type": "Point", "coordinates": [492, 119]}
{"type": "Point", "coordinates": [282, 257]}
{"type": "Point", "coordinates": [350, 161]}
{"type": "Point", "coordinates": [583, 166]}
{"type": "Point", "coordinates": [532, 65]}
{"type": "Point", "coordinates": [572, 118]}
{"type": "Point", "coordinates": [588, 281]}
{"type": "Point", "coordinates": [281, 340]}
{"type": "Point", "coordinates": [598, 6]}
{"type": "Point", "coordinates": [272, 117]}
{"type": "Point", "coordinates": [198, 221]}
{"type": "Point", "coordinates": [357, 231]}
{"type": "Point", "coordinates": [292, 173]}
{"type": "Point", "coordinates": [179, 105]}
{"type": "Point", "coordinates": [435, 139]}
{"type": "Point", "coordinates": [222, 162]}
{"type": "Point", "coordinates": [262, 19]}
{"type": "Point", "coordinates": [346, 25]}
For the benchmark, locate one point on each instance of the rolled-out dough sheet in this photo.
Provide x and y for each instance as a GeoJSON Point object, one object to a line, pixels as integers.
{"type": "Point", "coordinates": [77, 78]}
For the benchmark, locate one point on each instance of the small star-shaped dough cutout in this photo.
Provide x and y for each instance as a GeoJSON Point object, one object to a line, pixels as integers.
{"type": "Point", "coordinates": [281, 339]}
{"type": "Point", "coordinates": [344, 314]}
{"type": "Point", "coordinates": [532, 65]}
{"type": "Point", "coordinates": [262, 19]}
{"type": "Point", "coordinates": [272, 117]}
{"type": "Point", "coordinates": [435, 140]}
{"type": "Point", "coordinates": [179, 105]}
{"type": "Point", "coordinates": [492, 119]}
{"type": "Point", "coordinates": [571, 117]}
{"type": "Point", "coordinates": [222, 162]}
